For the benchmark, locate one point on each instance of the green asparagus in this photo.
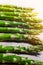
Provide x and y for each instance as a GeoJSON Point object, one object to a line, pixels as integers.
{"type": "Point", "coordinates": [20, 49]}
{"type": "Point", "coordinates": [20, 30]}
{"type": "Point", "coordinates": [19, 14]}
{"type": "Point", "coordinates": [19, 18]}
{"type": "Point", "coordinates": [27, 25]}
{"type": "Point", "coordinates": [13, 58]}
{"type": "Point", "coordinates": [32, 39]}
{"type": "Point", "coordinates": [14, 9]}
{"type": "Point", "coordinates": [17, 7]}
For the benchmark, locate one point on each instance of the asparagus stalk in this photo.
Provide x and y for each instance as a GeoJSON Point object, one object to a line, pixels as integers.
{"type": "Point", "coordinates": [20, 30]}
{"type": "Point", "coordinates": [27, 25]}
{"type": "Point", "coordinates": [20, 49]}
{"type": "Point", "coordinates": [19, 14]}
{"type": "Point", "coordinates": [17, 7]}
{"type": "Point", "coordinates": [14, 9]}
{"type": "Point", "coordinates": [19, 18]}
{"type": "Point", "coordinates": [13, 58]}
{"type": "Point", "coordinates": [32, 39]}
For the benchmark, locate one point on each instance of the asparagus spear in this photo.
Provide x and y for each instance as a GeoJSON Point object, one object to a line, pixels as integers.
{"type": "Point", "coordinates": [27, 25]}
{"type": "Point", "coordinates": [20, 49]}
{"type": "Point", "coordinates": [19, 14]}
{"type": "Point", "coordinates": [17, 7]}
{"type": "Point", "coordinates": [13, 58]}
{"type": "Point", "coordinates": [14, 9]}
{"type": "Point", "coordinates": [32, 39]}
{"type": "Point", "coordinates": [19, 18]}
{"type": "Point", "coordinates": [20, 30]}
{"type": "Point", "coordinates": [13, 24]}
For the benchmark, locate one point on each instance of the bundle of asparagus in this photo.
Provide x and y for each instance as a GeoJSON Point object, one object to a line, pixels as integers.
{"type": "Point", "coordinates": [13, 58]}
{"type": "Point", "coordinates": [24, 25]}
{"type": "Point", "coordinates": [20, 30]}
{"type": "Point", "coordinates": [20, 38]}
{"type": "Point", "coordinates": [20, 49]}
{"type": "Point", "coordinates": [17, 16]}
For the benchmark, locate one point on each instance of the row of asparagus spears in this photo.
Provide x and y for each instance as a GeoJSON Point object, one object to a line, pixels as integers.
{"type": "Point", "coordinates": [17, 16]}
{"type": "Point", "coordinates": [14, 58]}
{"type": "Point", "coordinates": [21, 49]}
{"type": "Point", "coordinates": [32, 39]}
{"type": "Point", "coordinates": [19, 20]}
{"type": "Point", "coordinates": [21, 25]}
